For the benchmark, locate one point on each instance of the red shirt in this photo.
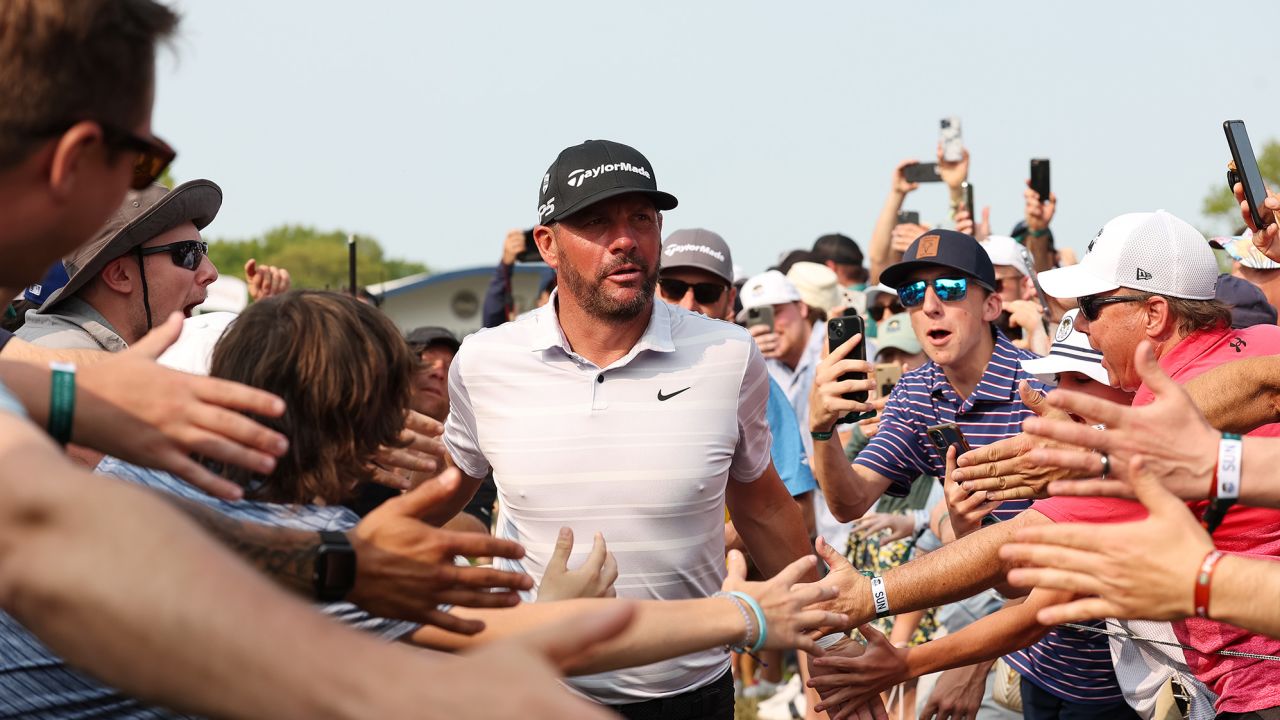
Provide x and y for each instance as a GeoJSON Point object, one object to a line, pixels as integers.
{"type": "Point", "coordinates": [1242, 684]}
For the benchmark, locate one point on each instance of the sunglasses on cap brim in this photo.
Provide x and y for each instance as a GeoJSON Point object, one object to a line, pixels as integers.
{"type": "Point", "coordinates": [947, 289]}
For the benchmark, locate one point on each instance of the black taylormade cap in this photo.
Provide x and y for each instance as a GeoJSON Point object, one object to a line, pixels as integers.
{"type": "Point", "coordinates": [943, 248]}
{"type": "Point", "coordinates": [596, 170]}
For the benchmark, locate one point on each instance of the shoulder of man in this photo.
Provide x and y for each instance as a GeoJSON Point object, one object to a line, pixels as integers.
{"type": "Point", "coordinates": [65, 332]}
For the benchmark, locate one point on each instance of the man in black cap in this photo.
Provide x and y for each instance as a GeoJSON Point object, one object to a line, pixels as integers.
{"type": "Point", "coordinates": [609, 412]}
{"type": "Point", "coordinates": [844, 257]}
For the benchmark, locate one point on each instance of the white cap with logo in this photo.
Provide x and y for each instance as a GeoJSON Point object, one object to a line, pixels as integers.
{"type": "Point", "coordinates": [767, 288]}
{"type": "Point", "coordinates": [1151, 252]}
{"type": "Point", "coordinates": [1071, 352]}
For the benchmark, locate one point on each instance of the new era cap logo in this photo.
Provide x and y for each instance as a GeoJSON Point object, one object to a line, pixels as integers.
{"type": "Point", "coordinates": [578, 177]}
{"type": "Point", "coordinates": [928, 246]}
{"type": "Point", "coordinates": [1143, 274]}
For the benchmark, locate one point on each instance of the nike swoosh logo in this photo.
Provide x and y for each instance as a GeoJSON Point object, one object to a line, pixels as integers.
{"type": "Point", "coordinates": [662, 397]}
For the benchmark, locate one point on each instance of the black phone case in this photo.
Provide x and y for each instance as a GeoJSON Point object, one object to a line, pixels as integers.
{"type": "Point", "coordinates": [839, 330]}
{"type": "Point", "coordinates": [1242, 154]}
{"type": "Point", "coordinates": [1040, 178]}
{"type": "Point", "coordinates": [921, 173]}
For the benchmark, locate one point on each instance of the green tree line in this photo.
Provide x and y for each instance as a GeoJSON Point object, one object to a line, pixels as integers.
{"type": "Point", "coordinates": [315, 259]}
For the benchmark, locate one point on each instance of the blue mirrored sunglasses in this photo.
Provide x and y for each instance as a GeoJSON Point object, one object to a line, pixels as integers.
{"type": "Point", "coordinates": [948, 290]}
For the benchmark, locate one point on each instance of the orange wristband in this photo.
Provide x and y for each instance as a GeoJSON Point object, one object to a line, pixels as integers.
{"type": "Point", "coordinates": [1203, 579]}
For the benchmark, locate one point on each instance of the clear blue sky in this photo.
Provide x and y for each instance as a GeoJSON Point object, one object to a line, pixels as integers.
{"type": "Point", "coordinates": [429, 125]}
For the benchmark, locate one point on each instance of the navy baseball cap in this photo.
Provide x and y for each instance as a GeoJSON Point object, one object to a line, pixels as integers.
{"type": "Point", "coordinates": [946, 249]}
{"type": "Point", "coordinates": [596, 170]}
{"type": "Point", "coordinates": [52, 281]}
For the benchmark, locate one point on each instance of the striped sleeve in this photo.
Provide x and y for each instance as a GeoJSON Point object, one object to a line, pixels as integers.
{"type": "Point", "coordinates": [460, 436]}
{"type": "Point", "coordinates": [751, 457]}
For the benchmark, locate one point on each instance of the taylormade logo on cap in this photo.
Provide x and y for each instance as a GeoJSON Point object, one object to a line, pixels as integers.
{"type": "Point", "coordinates": [579, 176]}
{"type": "Point", "coordinates": [672, 250]}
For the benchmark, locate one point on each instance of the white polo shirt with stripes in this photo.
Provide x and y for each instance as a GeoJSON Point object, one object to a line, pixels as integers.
{"type": "Point", "coordinates": [641, 451]}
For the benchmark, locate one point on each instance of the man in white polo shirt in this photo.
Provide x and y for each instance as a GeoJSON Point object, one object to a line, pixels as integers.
{"type": "Point", "coordinates": [611, 413]}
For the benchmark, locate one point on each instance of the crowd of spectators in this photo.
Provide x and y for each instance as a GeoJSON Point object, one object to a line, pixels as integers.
{"type": "Point", "coordinates": [1028, 487]}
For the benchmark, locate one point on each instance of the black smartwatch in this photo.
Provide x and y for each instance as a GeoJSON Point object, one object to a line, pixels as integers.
{"type": "Point", "coordinates": [335, 570]}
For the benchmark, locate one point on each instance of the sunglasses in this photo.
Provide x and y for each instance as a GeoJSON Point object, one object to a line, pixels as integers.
{"type": "Point", "coordinates": [186, 254]}
{"type": "Point", "coordinates": [948, 290]}
{"type": "Point", "coordinates": [880, 312]}
{"type": "Point", "coordinates": [704, 293]}
{"type": "Point", "coordinates": [154, 154]}
{"type": "Point", "coordinates": [1091, 306]}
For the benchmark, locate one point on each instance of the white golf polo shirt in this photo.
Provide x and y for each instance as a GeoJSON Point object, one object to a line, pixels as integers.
{"type": "Point", "coordinates": [640, 451]}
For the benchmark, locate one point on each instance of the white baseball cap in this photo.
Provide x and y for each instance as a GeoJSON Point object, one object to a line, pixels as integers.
{"type": "Point", "coordinates": [1152, 252]}
{"type": "Point", "coordinates": [1004, 250]}
{"type": "Point", "coordinates": [767, 288]}
{"type": "Point", "coordinates": [1071, 352]}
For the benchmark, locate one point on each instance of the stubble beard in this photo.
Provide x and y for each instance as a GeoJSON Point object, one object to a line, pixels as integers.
{"type": "Point", "coordinates": [593, 299]}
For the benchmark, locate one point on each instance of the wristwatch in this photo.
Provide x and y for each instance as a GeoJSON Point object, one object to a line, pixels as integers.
{"type": "Point", "coordinates": [335, 569]}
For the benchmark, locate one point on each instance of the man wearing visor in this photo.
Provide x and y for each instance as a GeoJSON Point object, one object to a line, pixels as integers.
{"type": "Point", "coordinates": [147, 262]}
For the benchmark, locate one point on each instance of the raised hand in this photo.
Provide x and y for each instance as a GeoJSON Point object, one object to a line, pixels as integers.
{"type": "Point", "coordinates": [900, 185]}
{"type": "Point", "coordinates": [953, 173]}
{"type": "Point", "coordinates": [1142, 569]}
{"type": "Point", "coordinates": [826, 404]}
{"type": "Point", "coordinates": [405, 567]}
{"type": "Point", "coordinates": [265, 280]}
{"type": "Point", "coordinates": [141, 412]}
{"type": "Point", "coordinates": [854, 675]}
{"type": "Point", "coordinates": [593, 579]}
{"type": "Point", "coordinates": [899, 526]}
{"type": "Point", "coordinates": [420, 451]}
{"type": "Point", "coordinates": [784, 602]}
{"type": "Point", "coordinates": [1005, 469]}
{"type": "Point", "coordinates": [1266, 238]}
{"type": "Point", "coordinates": [1179, 445]}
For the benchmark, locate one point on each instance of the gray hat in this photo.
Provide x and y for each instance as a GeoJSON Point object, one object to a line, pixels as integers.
{"type": "Point", "coordinates": [144, 214]}
{"type": "Point", "coordinates": [698, 248]}
{"type": "Point", "coordinates": [431, 335]}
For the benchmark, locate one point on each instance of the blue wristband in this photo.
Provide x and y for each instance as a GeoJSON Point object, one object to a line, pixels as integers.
{"type": "Point", "coordinates": [755, 607]}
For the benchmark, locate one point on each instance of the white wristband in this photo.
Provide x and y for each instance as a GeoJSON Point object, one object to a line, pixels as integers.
{"type": "Point", "coordinates": [880, 597]}
{"type": "Point", "coordinates": [1230, 452]}
{"type": "Point", "coordinates": [826, 642]}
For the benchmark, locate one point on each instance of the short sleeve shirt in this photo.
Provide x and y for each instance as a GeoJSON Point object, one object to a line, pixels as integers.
{"type": "Point", "coordinates": [1242, 684]}
{"type": "Point", "coordinates": [640, 451]}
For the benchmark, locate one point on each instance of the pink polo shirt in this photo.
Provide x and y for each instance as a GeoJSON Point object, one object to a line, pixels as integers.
{"type": "Point", "coordinates": [1242, 684]}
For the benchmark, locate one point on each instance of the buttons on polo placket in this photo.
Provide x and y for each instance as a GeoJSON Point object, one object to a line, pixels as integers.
{"type": "Point", "coordinates": [598, 401]}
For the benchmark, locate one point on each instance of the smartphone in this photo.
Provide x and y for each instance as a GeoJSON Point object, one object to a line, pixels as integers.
{"type": "Point", "coordinates": [530, 252]}
{"type": "Point", "coordinates": [839, 330]}
{"type": "Point", "coordinates": [1255, 190]}
{"type": "Point", "coordinates": [949, 137]}
{"type": "Point", "coordinates": [1040, 177]}
{"type": "Point", "coordinates": [762, 315]}
{"type": "Point", "coordinates": [921, 173]}
{"type": "Point", "coordinates": [968, 201]}
{"type": "Point", "coordinates": [945, 435]}
{"type": "Point", "coordinates": [887, 375]}
{"type": "Point", "coordinates": [909, 217]}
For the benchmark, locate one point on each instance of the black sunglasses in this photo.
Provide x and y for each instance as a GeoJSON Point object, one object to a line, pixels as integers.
{"type": "Point", "coordinates": [1091, 306]}
{"type": "Point", "coordinates": [880, 312]}
{"type": "Point", "coordinates": [704, 293]}
{"type": "Point", "coordinates": [186, 254]}
{"type": "Point", "coordinates": [154, 154]}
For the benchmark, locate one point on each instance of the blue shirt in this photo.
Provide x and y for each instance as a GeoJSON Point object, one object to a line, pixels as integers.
{"type": "Point", "coordinates": [788, 445]}
{"type": "Point", "coordinates": [9, 403]}
{"type": "Point", "coordinates": [1070, 664]}
{"type": "Point", "coordinates": [35, 683]}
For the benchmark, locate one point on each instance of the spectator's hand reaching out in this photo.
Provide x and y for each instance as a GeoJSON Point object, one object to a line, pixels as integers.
{"type": "Point", "coordinates": [265, 281]}
{"type": "Point", "coordinates": [1266, 238]}
{"type": "Point", "coordinates": [512, 246]}
{"type": "Point", "coordinates": [593, 579]}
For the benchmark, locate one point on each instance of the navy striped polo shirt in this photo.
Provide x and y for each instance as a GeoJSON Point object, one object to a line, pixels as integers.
{"type": "Point", "coordinates": [1071, 664]}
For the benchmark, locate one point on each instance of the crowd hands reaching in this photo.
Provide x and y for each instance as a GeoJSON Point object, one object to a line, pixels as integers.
{"type": "Point", "coordinates": [1013, 455]}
